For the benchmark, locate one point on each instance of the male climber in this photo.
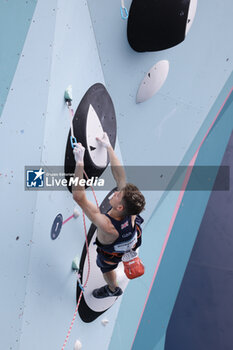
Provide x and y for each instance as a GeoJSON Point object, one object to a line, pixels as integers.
{"type": "Point", "coordinates": [119, 230]}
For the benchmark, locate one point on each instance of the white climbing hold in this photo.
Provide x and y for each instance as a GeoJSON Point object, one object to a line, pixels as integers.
{"type": "Point", "coordinates": [94, 128]}
{"type": "Point", "coordinates": [76, 213]}
{"type": "Point", "coordinates": [191, 15]}
{"type": "Point", "coordinates": [153, 81]}
{"type": "Point", "coordinates": [77, 345]}
{"type": "Point", "coordinates": [105, 322]}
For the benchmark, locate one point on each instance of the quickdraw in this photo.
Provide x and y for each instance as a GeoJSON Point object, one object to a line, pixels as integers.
{"type": "Point", "coordinates": [68, 101]}
{"type": "Point", "coordinates": [124, 11]}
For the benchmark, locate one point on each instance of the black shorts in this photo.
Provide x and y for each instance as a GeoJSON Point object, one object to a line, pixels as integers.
{"type": "Point", "coordinates": [105, 267]}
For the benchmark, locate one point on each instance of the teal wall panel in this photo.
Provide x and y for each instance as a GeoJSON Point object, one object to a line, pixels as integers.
{"type": "Point", "coordinates": [21, 143]}
{"type": "Point", "coordinates": [155, 317]}
{"type": "Point", "coordinates": [15, 20]}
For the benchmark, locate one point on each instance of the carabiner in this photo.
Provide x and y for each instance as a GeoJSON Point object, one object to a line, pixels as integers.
{"type": "Point", "coordinates": [73, 140]}
{"type": "Point", "coordinates": [79, 282]}
{"type": "Point", "coordinates": [124, 13]}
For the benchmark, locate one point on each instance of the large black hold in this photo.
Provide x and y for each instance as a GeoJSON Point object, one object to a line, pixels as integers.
{"type": "Point", "coordinates": [99, 98]}
{"type": "Point", "coordinates": [155, 25]}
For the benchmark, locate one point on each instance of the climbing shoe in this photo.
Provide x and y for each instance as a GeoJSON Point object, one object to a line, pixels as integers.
{"type": "Point", "coordinates": [105, 292]}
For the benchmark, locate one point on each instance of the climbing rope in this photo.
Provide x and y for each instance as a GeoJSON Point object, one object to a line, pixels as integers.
{"type": "Point", "coordinates": [82, 287]}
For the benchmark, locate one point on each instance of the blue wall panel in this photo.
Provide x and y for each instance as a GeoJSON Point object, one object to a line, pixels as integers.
{"type": "Point", "coordinates": [15, 20]}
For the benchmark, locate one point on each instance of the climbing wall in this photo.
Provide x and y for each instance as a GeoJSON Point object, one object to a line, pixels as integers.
{"type": "Point", "coordinates": [39, 287]}
{"type": "Point", "coordinates": [47, 46]}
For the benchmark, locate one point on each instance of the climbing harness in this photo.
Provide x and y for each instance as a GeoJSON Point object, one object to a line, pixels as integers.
{"type": "Point", "coordinates": [133, 266]}
{"type": "Point", "coordinates": [124, 11]}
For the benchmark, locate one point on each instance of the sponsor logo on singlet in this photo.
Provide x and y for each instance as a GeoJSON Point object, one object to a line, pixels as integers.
{"type": "Point", "coordinates": [126, 234]}
{"type": "Point", "coordinates": [124, 225]}
{"type": "Point", "coordinates": [126, 246]}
